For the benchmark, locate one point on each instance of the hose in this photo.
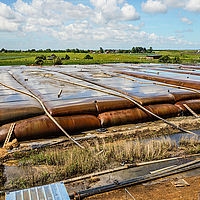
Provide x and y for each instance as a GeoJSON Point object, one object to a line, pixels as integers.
{"type": "Point", "coordinates": [118, 95]}
{"type": "Point", "coordinates": [137, 180]}
{"type": "Point", "coordinates": [43, 107]}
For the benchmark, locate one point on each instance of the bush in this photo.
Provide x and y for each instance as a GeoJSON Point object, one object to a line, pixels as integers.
{"type": "Point", "coordinates": [88, 57]}
{"type": "Point", "coordinates": [165, 59]}
{"type": "Point", "coordinates": [67, 57]}
{"type": "Point", "coordinates": [41, 57]}
{"type": "Point", "coordinates": [39, 61]}
{"type": "Point", "coordinates": [176, 59]}
{"type": "Point", "coordinates": [57, 61]}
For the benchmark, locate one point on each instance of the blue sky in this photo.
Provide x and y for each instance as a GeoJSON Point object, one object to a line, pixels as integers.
{"type": "Point", "coordinates": [91, 24]}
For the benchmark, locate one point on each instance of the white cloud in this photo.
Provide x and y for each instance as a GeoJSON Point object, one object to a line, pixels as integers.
{"type": "Point", "coordinates": [44, 22]}
{"type": "Point", "coordinates": [108, 22]}
{"type": "Point", "coordinates": [128, 13]}
{"type": "Point", "coordinates": [161, 6]}
{"type": "Point", "coordinates": [10, 20]}
{"type": "Point", "coordinates": [193, 5]}
{"type": "Point", "coordinates": [107, 10]}
{"type": "Point", "coordinates": [174, 3]}
{"type": "Point", "coordinates": [188, 30]}
{"type": "Point", "coordinates": [179, 35]}
{"type": "Point", "coordinates": [185, 20]}
{"type": "Point", "coordinates": [153, 7]}
{"type": "Point", "coordinates": [7, 25]}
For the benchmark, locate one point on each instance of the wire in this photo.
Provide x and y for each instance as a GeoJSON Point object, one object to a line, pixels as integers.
{"type": "Point", "coordinates": [44, 108]}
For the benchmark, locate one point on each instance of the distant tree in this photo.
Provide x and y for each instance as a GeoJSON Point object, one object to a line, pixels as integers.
{"type": "Point", "coordinates": [165, 59]}
{"type": "Point", "coordinates": [77, 50]}
{"type": "Point", "coordinates": [48, 50]}
{"type": "Point", "coordinates": [43, 57]}
{"type": "Point", "coordinates": [67, 57]}
{"type": "Point", "coordinates": [57, 61]}
{"type": "Point", "coordinates": [176, 59]}
{"type": "Point", "coordinates": [150, 50]}
{"type": "Point", "coordinates": [88, 57]}
{"type": "Point", "coordinates": [39, 61]}
{"type": "Point", "coordinates": [101, 49]}
{"type": "Point", "coordinates": [133, 50]}
{"type": "Point", "coordinates": [4, 50]}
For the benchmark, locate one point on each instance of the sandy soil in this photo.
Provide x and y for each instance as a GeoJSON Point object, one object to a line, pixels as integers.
{"type": "Point", "coordinates": [164, 190]}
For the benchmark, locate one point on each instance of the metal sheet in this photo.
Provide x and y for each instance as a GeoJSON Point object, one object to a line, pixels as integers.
{"type": "Point", "coordinates": [56, 191]}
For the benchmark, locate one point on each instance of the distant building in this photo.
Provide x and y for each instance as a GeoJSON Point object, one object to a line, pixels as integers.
{"type": "Point", "coordinates": [153, 56]}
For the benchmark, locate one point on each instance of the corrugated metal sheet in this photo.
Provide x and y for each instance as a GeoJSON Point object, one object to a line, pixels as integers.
{"type": "Point", "coordinates": [55, 191]}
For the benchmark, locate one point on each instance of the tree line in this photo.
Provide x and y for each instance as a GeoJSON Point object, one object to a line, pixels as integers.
{"type": "Point", "coordinates": [101, 50]}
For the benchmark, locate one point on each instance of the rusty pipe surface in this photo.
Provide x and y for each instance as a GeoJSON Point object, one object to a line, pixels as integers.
{"type": "Point", "coordinates": [174, 81]}
{"type": "Point", "coordinates": [194, 104]}
{"type": "Point", "coordinates": [89, 106]}
{"type": "Point", "coordinates": [128, 98]}
{"type": "Point", "coordinates": [42, 126]}
{"type": "Point", "coordinates": [176, 71]}
{"type": "Point", "coordinates": [44, 108]}
{"type": "Point", "coordinates": [137, 115]}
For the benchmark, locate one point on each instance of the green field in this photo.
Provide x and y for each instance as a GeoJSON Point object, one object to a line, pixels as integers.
{"type": "Point", "coordinates": [27, 58]}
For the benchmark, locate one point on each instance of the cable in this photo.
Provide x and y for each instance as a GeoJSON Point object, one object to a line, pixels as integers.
{"type": "Point", "coordinates": [45, 110]}
{"type": "Point", "coordinates": [122, 96]}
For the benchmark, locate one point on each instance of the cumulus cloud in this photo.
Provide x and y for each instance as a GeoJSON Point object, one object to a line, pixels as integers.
{"type": "Point", "coordinates": [107, 10]}
{"type": "Point", "coordinates": [161, 6]}
{"type": "Point", "coordinates": [174, 3]}
{"type": "Point", "coordinates": [185, 20]}
{"type": "Point", "coordinates": [106, 21]}
{"type": "Point", "coordinates": [10, 20]}
{"type": "Point", "coordinates": [152, 7]}
{"type": "Point", "coordinates": [193, 5]}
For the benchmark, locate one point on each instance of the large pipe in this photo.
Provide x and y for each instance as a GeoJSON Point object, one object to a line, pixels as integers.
{"type": "Point", "coordinates": [45, 110]}
{"type": "Point", "coordinates": [120, 184]}
{"type": "Point", "coordinates": [120, 94]}
{"type": "Point", "coordinates": [174, 81]}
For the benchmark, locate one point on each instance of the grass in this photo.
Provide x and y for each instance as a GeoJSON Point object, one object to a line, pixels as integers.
{"type": "Point", "coordinates": [62, 164]}
{"type": "Point", "coordinates": [58, 164]}
{"type": "Point", "coordinates": [192, 144]}
{"type": "Point", "coordinates": [77, 58]}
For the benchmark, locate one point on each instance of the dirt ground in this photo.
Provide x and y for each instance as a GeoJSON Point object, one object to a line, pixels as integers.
{"type": "Point", "coordinates": [163, 190]}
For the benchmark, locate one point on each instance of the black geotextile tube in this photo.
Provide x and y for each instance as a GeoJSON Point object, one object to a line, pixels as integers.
{"type": "Point", "coordinates": [120, 184]}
